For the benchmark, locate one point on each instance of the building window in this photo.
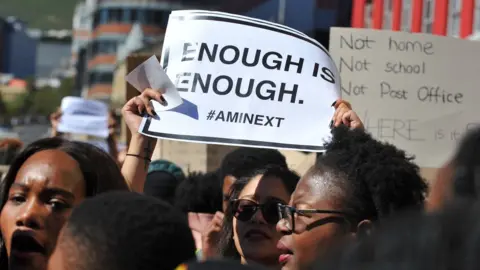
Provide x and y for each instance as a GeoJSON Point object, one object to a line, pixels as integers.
{"type": "Point", "coordinates": [116, 15]}
{"type": "Point", "coordinates": [96, 18]}
{"type": "Point", "coordinates": [428, 10]}
{"type": "Point", "coordinates": [455, 24]}
{"type": "Point", "coordinates": [327, 4]}
{"type": "Point", "coordinates": [428, 27]}
{"type": "Point", "coordinates": [160, 18]}
{"type": "Point", "coordinates": [149, 16]}
{"type": "Point", "coordinates": [133, 15]}
{"type": "Point", "coordinates": [127, 13]}
{"type": "Point", "coordinates": [406, 19]}
{"type": "Point", "coordinates": [103, 16]}
{"type": "Point", "coordinates": [100, 78]}
{"type": "Point", "coordinates": [103, 47]}
{"type": "Point", "coordinates": [477, 19]}
{"type": "Point", "coordinates": [142, 16]}
{"type": "Point", "coordinates": [139, 15]}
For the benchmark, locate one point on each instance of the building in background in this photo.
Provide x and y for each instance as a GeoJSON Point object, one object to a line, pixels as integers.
{"type": "Point", "coordinates": [80, 66]}
{"type": "Point", "coordinates": [53, 55]}
{"type": "Point", "coordinates": [81, 27]}
{"type": "Point", "coordinates": [18, 52]}
{"type": "Point", "coordinates": [3, 31]}
{"type": "Point", "coordinates": [453, 19]}
{"type": "Point", "coordinates": [113, 22]}
{"type": "Point", "coordinates": [312, 17]}
{"type": "Point", "coordinates": [81, 35]}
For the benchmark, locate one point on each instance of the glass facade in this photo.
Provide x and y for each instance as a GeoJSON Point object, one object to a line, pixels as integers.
{"type": "Point", "coordinates": [130, 16]}
{"type": "Point", "coordinates": [98, 77]}
{"type": "Point", "coordinates": [103, 47]}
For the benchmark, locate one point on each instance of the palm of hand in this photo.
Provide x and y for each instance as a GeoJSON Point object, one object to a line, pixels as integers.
{"type": "Point", "coordinates": [132, 120]}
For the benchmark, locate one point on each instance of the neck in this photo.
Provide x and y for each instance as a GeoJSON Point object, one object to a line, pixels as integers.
{"type": "Point", "coordinates": [262, 262]}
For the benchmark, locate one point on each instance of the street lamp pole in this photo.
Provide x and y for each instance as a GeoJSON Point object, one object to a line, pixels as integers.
{"type": "Point", "coordinates": [282, 5]}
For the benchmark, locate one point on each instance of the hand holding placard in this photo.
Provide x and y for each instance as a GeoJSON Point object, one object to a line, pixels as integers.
{"type": "Point", "coordinates": [82, 116]}
{"type": "Point", "coordinates": [150, 74]}
{"type": "Point", "coordinates": [254, 84]}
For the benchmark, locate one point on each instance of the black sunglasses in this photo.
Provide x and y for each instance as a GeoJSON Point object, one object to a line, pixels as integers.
{"type": "Point", "coordinates": [244, 210]}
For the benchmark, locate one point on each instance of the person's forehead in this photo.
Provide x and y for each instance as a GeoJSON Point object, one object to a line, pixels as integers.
{"type": "Point", "coordinates": [317, 187]}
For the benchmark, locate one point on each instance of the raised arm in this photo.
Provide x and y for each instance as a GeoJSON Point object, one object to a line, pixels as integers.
{"type": "Point", "coordinates": [140, 149]}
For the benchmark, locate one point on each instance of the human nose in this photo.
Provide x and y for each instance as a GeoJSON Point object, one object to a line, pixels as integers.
{"type": "Point", "coordinates": [258, 217]}
{"type": "Point", "coordinates": [282, 227]}
{"type": "Point", "coordinates": [31, 215]}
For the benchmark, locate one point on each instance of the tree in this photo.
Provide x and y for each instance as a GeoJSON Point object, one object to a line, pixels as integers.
{"type": "Point", "coordinates": [40, 101]}
{"type": "Point", "coordinates": [47, 99]}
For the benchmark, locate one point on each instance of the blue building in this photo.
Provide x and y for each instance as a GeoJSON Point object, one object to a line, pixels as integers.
{"type": "Point", "coordinates": [17, 50]}
{"type": "Point", "coordinates": [52, 53]}
{"type": "Point", "coordinates": [312, 17]}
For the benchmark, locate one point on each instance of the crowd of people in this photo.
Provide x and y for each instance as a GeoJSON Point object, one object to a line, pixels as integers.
{"type": "Point", "coordinates": [68, 205]}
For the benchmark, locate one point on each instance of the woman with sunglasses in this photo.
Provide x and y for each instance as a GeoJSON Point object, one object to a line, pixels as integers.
{"type": "Point", "coordinates": [248, 232]}
{"type": "Point", "coordinates": [357, 183]}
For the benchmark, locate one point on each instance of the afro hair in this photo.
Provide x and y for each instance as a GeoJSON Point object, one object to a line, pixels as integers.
{"type": "Point", "coordinates": [381, 178]}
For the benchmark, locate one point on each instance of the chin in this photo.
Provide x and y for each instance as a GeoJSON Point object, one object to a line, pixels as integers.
{"type": "Point", "coordinates": [262, 257]}
{"type": "Point", "coordinates": [290, 264]}
{"type": "Point", "coordinates": [27, 263]}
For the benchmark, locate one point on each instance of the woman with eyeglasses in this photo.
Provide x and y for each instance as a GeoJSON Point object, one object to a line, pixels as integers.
{"type": "Point", "coordinates": [248, 233]}
{"type": "Point", "coordinates": [357, 182]}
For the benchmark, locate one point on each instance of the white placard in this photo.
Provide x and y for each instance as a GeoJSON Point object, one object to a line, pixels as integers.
{"type": "Point", "coordinates": [150, 74]}
{"type": "Point", "coordinates": [84, 124]}
{"type": "Point", "coordinates": [416, 91]}
{"type": "Point", "coordinates": [81, 116]}
{"type": "Point", "coordinates": [81, 106]}
{"type": "Point", "coordinates": [251, 83]}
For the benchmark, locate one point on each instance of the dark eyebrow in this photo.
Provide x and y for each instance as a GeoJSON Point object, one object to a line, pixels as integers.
{"type": "Point", "coordinates": [271, 198]}
{"type": "Point", "coordinates": [17, 185]}
{"type": "Point", "coordinates": [50, 191]}
{"type": "Point", "coordinates": [54, 191]}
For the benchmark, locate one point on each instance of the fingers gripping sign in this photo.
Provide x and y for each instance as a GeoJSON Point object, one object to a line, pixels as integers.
{"type": "Point", "coordinates": [136, 107]}
{"type": "Point", "coordinates": [345, 115]}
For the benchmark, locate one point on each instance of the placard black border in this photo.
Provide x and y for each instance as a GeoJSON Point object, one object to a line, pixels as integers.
{"type": "Point", "coordinates": [217, 140]}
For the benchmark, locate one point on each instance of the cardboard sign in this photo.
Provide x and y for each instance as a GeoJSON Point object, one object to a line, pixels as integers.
{"type": "Point", "coordinates": [416, 91]}
{"type": "Point", "coordinates": [82, 116]}
{"type": "Point", "coordinates": [252, 83]}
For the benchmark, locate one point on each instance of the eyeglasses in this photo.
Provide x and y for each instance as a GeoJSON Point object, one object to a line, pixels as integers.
{"type": "Point", "coordinates": [244, 210]}
{"type": "Point", "coordinates": [287, 216]}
